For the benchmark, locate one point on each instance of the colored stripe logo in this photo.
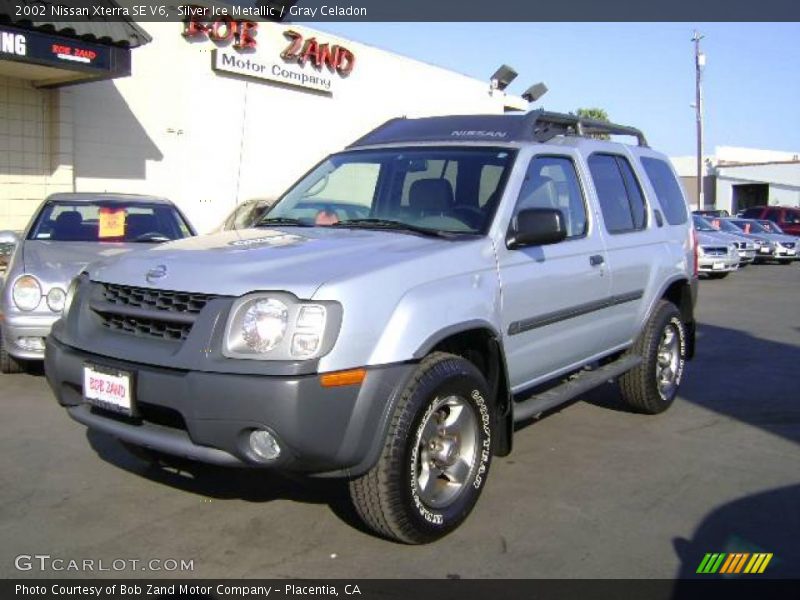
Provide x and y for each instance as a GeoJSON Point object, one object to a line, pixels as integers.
{"type": "Point", "coordinates": [734, 563]}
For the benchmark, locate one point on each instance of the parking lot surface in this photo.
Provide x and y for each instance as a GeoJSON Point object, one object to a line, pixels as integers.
{"type": "Point", "coordinates": [590, 491]}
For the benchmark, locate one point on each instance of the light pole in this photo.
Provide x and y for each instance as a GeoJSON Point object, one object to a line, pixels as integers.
{"type": "Point", "coordinates": [699, 63]}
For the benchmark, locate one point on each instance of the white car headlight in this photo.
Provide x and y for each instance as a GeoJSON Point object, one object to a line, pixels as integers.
{"type": "Point", "coordinates": [700, 251]}
{"type": "Point", "coordinates": [27, 292]}
{"type": "Point", "coordinates": [56, 298]}
{"type": "Point", "coordinates": [264, 324]}
{"type": "Point", "coordinates": [278, 326]}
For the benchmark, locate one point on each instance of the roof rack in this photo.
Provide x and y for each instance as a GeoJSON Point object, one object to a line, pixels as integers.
{"type": "Point", "coordinates": [536, 125]}
{"type": "Point", "coordinates": [547, 125]}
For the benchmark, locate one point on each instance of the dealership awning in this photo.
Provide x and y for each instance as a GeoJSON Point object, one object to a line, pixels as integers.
{"type": "Point", "coordinates": [53, 53]}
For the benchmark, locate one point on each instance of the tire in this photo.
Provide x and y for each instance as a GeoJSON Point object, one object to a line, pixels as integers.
{"type": "Point", "coordinates": [718, 275]}
{"type": "Point", "coordinates": [663, 339]}
{"type": "Point", "coordinates": [8, 364]}
{"type": "Point", "coordinates": [787, 262]}
{"type": "Point", "coordinates": [400, 498]}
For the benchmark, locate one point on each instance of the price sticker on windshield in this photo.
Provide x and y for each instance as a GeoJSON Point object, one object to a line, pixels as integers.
{"type": "Point", "coordinates": [111, 222]}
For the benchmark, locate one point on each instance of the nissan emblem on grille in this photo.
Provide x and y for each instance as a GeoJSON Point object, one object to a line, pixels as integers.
{"type": "Point", "coordinates": [156, 273]}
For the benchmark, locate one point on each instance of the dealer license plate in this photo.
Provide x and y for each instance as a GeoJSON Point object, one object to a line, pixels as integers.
{"type": "Point", "coordinates": [108, 388]}
{"type": "Point", "coordinates": [717, 266]}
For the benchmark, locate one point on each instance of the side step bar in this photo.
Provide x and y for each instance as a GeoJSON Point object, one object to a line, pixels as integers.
{"type": "Point", "coordinates": [579, 384]}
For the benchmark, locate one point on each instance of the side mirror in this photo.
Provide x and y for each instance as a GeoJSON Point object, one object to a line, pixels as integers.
{"type": "Point", "coordinates": [9, 237]}
{"type": "Point", "coordinates": [536, 227]}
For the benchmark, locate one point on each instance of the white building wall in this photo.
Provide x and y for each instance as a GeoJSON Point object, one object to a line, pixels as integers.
{"type": "Point", "coordinates": [783, 180]}
{"type": "Point", "coordinates": [208, 141]}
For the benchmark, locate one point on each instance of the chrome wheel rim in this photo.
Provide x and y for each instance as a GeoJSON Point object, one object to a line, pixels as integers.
{"type": "Point", "coordinates": [447, 449]}
{"type": "Point", "coordinates": [668, 361]}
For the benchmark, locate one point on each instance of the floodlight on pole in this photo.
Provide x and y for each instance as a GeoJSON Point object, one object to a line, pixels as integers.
{"type": "Point", "coordinates": [502, 78]}
{"type": "Point", "coordinates": [536, 91]}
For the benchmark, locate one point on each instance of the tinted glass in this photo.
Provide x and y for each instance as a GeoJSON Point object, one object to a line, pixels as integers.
{"type": "Point", "coordinates": [442, 189]}
{"type": "Point", "coordinates": [112, 221]}
{"type": "Point", "coordinates": [611, 192]}
{"type": "Point", "coordinates": [552, 182]}
{"type": "Point", "coordinates": [668, 190]}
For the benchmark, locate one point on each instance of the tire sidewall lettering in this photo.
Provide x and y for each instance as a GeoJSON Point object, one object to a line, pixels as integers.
{"type": "Point", "coordinates": [438, 518]}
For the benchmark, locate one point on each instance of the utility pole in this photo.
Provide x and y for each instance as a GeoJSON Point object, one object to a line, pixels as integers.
{"type": "Point", "coordinates": [699, 63]}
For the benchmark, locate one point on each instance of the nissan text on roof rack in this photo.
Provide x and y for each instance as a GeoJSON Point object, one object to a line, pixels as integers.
{"type": "Point", "coordinates": [389, 319]}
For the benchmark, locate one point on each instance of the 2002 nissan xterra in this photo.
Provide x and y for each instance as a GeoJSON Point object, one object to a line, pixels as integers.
{"type": "Point", "coordinates": [396, 312]}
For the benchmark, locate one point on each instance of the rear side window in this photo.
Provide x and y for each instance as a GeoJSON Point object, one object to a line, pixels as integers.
{"type": "Point", "coordinates": [668, 190]}
{"type": "Point", "coordinates": [621, 199]}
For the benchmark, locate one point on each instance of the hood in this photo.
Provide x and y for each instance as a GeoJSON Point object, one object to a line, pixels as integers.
{"type": "Point", "coordinates": [707, 238]}
{"type": "Point", "coordinates": [58, 262]}
{"type": "Point", "coordinates": [779, 237]}
{"type": "Point", "coordinates": [294, 259]}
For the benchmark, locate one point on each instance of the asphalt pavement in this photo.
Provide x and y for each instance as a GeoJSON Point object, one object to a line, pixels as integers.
{"type": "Point", "coordinates": [590, 491]}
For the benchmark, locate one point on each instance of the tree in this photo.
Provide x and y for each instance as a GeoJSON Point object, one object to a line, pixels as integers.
{"type": "Point", "coordinates": [598, 114]}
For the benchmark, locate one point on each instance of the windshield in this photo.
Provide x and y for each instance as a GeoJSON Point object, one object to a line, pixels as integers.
{"type": "Point", "coordinates": [700, 224]}
{"type": "Point", "coordinates": [770, 226]}
{"type": "Point", "coordinates": [749, 226]}
{"type": "Point", "coordinates": [444, 190]}
{"type": "Point", "coordinates": [65, 221]}
{"type": "Point", "coordinates": [724, 225]}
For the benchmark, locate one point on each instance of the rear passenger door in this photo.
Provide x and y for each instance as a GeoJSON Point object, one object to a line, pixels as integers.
{"type": "Point", "coordinates": [630, 243]}
{"type": "Point", "coordinates": [553, 295]}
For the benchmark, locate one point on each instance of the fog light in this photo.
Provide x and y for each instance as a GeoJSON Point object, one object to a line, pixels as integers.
{"type": "Point", "coordinates": [31, 344]}
{"type": "Point", "coordinates": [264, 445]}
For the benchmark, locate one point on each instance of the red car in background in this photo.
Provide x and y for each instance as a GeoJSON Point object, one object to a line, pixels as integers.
{"type": "Point", "coordinates": [787, 217]}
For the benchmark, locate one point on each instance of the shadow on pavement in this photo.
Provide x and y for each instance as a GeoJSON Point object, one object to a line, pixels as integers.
{"type": "Point", "coordinates": [765, 522]}
{"type": "Point", "coordinates": [228, 483]}
{"type": "Point", "coordinates": [723, 378]}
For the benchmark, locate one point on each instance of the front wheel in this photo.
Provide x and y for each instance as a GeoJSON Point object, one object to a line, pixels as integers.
{"type": "Point", "coordinates": [652, 386]}
{"type": "Point", "coordinates": [436, 455]}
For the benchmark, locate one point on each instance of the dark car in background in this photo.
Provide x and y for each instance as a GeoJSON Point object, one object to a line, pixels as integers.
{"type": "Point", "coordinates": [787, 217]}
{"type": "Point", "coordinates": [66, 233]}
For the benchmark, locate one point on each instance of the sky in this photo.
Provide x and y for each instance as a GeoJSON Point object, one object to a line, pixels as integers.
{"type": "Point", "coordinates": [642, 74]}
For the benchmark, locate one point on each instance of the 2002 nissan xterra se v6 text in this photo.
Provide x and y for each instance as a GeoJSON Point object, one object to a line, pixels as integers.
{"type": "Point", "coordinates": [396, 312]}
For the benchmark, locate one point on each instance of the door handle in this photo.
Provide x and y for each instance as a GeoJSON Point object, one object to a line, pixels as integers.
{"type": "Point", "coordinates": [596, 259]}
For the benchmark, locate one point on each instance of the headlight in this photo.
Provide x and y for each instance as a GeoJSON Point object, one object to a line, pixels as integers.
{"type": "Point", "coordinates": [27, 292]}
{"type": "Point", "coordinates": [700, 251]}
{"type": "Point", "coordinates": [278, 326]}
{"type": "Point", "coordinates": [56, 298]}
{"type": "Point", "coordinates": [264, 324]}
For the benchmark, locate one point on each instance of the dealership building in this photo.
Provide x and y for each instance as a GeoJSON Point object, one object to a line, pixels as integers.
{"type": "Point", "coordinates": [737, 178]}
{"type": "Point", "coordinates": [207, 113]}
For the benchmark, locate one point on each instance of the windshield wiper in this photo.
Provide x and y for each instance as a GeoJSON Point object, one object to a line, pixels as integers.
{"type": "Point", "coordinates": [283, 221]}
{"type": "Point", "coordinates": [395, 225]}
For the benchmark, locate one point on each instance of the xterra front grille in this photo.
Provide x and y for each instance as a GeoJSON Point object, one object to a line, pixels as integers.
{"type": "Point", "coordinates": [154, 299]}
{"type": "Point", "coordinates": [146, 312]}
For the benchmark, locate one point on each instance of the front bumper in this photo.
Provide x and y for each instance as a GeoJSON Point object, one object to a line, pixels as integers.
{"type": "Point", "coordinates": [718, 264]}
{"type": "Point", "coordinates": [746, 256]}
{"type": "Point", "coordinates": [19, 326]}
{"type": "Point", "coordinates": [208, 417]}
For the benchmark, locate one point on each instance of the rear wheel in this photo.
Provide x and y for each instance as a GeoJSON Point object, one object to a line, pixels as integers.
{"type": "Point", "coordinates": [436, 455]}
{"type": "Point", "coordinates": [652, 386]}
{"type": "Point", "coordinates": [8, 364]}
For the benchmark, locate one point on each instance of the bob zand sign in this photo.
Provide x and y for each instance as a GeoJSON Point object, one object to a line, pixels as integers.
{"type": "Point", "coordinates": [328, 62]}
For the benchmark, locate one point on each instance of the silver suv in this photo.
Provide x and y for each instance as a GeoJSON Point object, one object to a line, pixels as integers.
{"type": "Point", "coordinates": [397, 311]}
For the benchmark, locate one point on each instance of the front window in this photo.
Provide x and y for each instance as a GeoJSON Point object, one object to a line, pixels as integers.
{"type": "Point", "coordinates": [749, 226]}
{"type": "Point", "coordinates": [701, 224]}
{"type": "Point", "coordinates": [770, 226]}
{"type": "Point", "coordinates": [427, 190]}
{"type": "Point", "coordinates": [108, 221]}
